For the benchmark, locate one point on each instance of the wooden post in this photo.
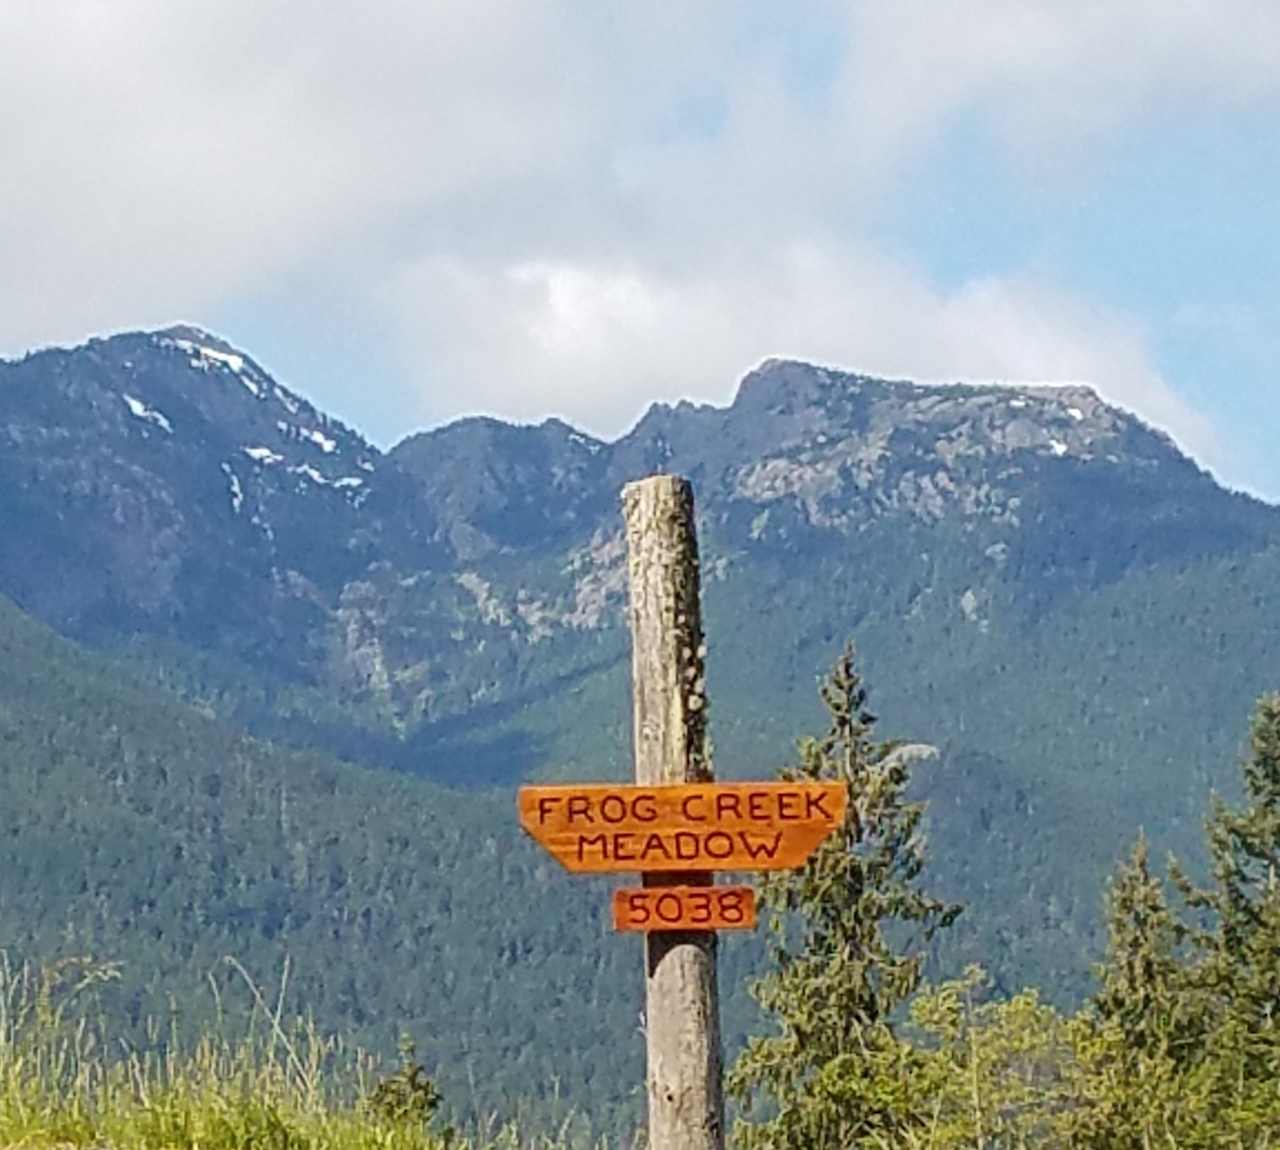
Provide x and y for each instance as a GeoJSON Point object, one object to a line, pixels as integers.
{"type": "Point", "coordinates": [682, 1009]}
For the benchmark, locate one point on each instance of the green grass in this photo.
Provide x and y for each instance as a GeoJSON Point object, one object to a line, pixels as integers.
{"type": "Point", "coordinates": [67, 1081]}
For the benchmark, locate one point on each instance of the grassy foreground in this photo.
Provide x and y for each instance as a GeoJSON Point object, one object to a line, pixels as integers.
{"type": "Point", "coordinates": [65, 1081]}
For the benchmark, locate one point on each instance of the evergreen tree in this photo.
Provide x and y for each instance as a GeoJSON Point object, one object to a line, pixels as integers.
{"type": "Point", "coordinates": [1143, 991]}
{"type": "Point", "coordinates": [1240, 967]}
{"type": "Point", "coordinates": [1184, 1047]}
{"type": "Point", "coordinates": [847, 935]}
{"type": "Point", "coordinates": [1141, 1045]}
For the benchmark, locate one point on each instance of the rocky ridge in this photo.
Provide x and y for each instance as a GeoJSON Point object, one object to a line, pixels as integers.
{"type": "Point", "coordinates": [169, 490]}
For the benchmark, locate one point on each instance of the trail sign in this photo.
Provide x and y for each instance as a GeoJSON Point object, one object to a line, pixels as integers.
{"type": "Point", "coordinates": [684, 827]}
{"type": "Point", "coordinates": [654, 908]}
{"type": "Point", "coordinates": [676, 824]}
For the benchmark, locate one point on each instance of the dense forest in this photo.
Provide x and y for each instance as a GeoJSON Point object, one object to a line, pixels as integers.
{"type": "Point", "coordinates": [1177, 1043]}
{"type": "Point", "coordinates": [138, 832]}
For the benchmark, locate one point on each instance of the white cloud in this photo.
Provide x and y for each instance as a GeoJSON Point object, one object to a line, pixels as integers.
{"type": "Point", "coordinates": [576, 208]}
{"type": "Point", "coordinates": [1050, 77]}
{"type": "Point", "coordinates": [600, 343]}
{"type": "Point", "coordinates": [162, 156]}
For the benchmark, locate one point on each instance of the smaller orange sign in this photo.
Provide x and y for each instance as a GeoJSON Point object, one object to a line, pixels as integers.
{"type": "Point", "coordinates": [684, 908]}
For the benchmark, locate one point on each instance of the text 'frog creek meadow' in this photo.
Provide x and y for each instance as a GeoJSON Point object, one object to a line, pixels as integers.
{"type": "Point", "coordinates": [692, 827]}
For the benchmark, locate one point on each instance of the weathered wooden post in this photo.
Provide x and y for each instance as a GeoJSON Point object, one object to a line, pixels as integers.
{"type": "Point", "coordinates": [682, 1006]}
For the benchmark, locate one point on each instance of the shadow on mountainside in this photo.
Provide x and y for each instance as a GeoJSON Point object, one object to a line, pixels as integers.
{"type": "Point", "coordinates": [484, 746]}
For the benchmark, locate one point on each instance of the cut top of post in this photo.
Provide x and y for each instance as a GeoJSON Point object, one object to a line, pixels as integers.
{"type": "Point", "coordinates": [668, 650]}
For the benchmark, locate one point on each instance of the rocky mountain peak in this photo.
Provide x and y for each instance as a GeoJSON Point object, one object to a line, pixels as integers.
{"type": "Point", "coordinates": [192, 477]}
{"type": "Point", "coordinates": [184, 476]}
{"type": "Point", "coordinates": [775, 382]}
{"type": "Point", "coordinates": [497, 485]}
{"type": "Point", "coordinates": [799, 406]}
{"type": "Point", "coordinates": [189, 333]}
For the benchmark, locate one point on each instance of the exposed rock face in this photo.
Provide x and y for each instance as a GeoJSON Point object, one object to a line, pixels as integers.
{"type": "Point", "coordinates": [163, 485]}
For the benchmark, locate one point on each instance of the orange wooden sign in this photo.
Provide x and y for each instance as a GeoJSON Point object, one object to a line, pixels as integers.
{"type": "Point", "coordinates": [694, 827]}
{"type": "Point", "coordinates": [646, 908]}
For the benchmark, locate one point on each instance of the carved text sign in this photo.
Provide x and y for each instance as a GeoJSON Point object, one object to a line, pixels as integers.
{"type": "Point", "coordinates": [689, 827]}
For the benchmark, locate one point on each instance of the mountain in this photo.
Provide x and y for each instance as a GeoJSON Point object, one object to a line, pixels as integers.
{"type": "Point", "coordinates": [1040, 584]}
{"type": "Point", "coordinates": [138, 831]}
{"type": "Point", "coordinates": [167, 490]}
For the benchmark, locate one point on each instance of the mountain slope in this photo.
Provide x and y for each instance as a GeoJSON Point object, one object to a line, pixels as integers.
{"type": "Point", "coordinates": [134, 830]}
{"type": "Point", "coordinates": [1041, 585]}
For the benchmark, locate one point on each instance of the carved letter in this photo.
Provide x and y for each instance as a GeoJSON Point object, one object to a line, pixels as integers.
{"type": "Point", "coordinates": [721, 837]}
{"type": "Point", "coordinates": [654, 845]}
{"type": "Point", "coordinates": [814, 802]}
{"type": "Point", "coordinates": [762, 849]}
{"type": "Point", "coordinates": [725, 803]}
{"type": "Point", "coordinates": [688, 802]}
{"type": "Point", "coordinates": [686, 845]}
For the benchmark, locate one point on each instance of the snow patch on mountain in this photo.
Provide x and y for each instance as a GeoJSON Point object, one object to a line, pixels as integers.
{"type": "Point", "coordinates": [237, 492]}
{"type": "Point", "coordinates": [592, 445]}
{"type": "Point", "coordinates": [322, 441]}
{"type": "Point", "coordinates": [147, 414]}
{"type": "Point", "coordinates": [311, 473]}
{"type": "Point", "coordinates": [205, 357]}
{"type": "Point", "coordinates": [286, 401]}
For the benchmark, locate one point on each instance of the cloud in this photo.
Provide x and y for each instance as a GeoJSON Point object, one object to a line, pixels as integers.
{"type": "Point", "coordinates": [1049, 78]}
{"type": "Point", "coordinates": [598, 343]}
{"type": "Point", "coordinates": [577, 208]}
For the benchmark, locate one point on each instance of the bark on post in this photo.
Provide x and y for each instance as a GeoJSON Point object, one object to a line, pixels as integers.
{"type": "Point", "coordinates": [682, 1009]}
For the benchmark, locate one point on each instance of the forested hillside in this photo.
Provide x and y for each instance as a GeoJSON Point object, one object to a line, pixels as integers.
{"type": "Point", "coordinates": [135, 831]}
{"type": "Point", "coordinates": [309, 675]}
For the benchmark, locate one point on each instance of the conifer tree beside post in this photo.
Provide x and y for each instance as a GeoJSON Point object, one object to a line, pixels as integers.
{"type": "Point", "coordinates": [1143, 991]}
{"type": "Point", "coordinates": [847, 938]}
{"type": "Point", "coordinates": [1239, 969]}
{"type": "Point", "coordinates": [1138, 1045]}
{"type": "Point", "coordinates": [1183, 1046]}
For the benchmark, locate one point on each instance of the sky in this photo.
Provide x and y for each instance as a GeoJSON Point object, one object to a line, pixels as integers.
{"type": "Point", "coordinates": [411, 211]}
